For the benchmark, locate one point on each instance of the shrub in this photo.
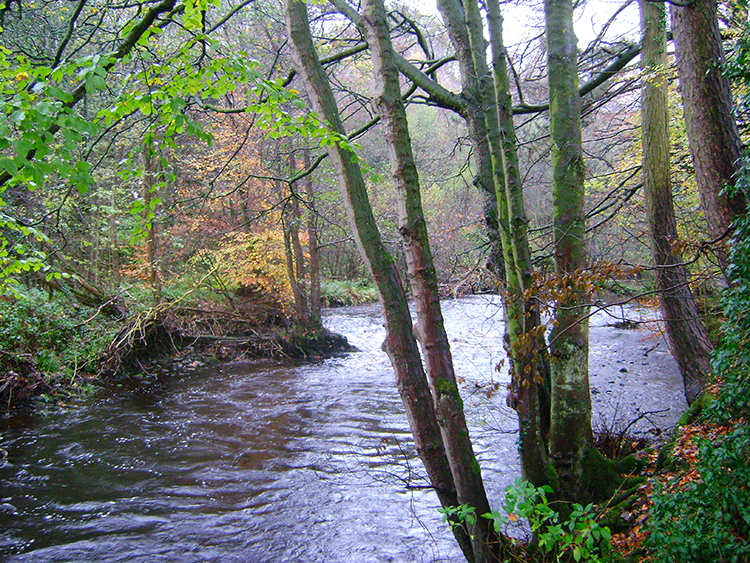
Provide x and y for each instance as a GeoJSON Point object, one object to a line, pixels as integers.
{"type": "Point", "coordinates": [707, 518]}
{"type": "Point", "coordinates": [49, 339]}
{"type": "Point", "coordinates": [338, 293]}
{"type": "Point", "coordinates": [578, 538]}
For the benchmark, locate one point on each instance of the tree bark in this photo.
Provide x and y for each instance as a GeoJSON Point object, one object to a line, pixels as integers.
{"type": "Point", "coordinates": [312, 244]}
{"type": "Point", "coordinates": [570, 431]}
{"type": "Point", "coordinates": [528, 349]}
{"type": "Point", "coordinates": [423, 279]}
{"type": "Point", "coordinates": [400, 343]}
{"type": "Point", "coordinates": [714, 139]}
{"type": "Point", "coordinates": [465, 28]}
{"type": "Point", "coordinates": [686, 333]}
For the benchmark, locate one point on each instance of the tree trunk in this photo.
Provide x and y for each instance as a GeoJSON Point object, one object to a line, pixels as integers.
{"type": "Point", "coordinates": [114, 247]}
{"type": "Point", "coordinates": [293, 270]}
{"type": "Point", "coordinates": [296, 267]}
{"type": "Point", "coordinates": [528, 349]}
{"type": "Point", "coordinates": [686, 333]}
{"type": "Point", "coordinates": [465, 29]}
{"type": "Point", "coordinates": [570, 431]}
{"type": "Point", "coordinates": [484, 181]}
{"type": "Point", "coordinates": [714, 139]}
{"type": "Point", "coordinates": [312, 243]}
{"type": "Point", "coordinates": [149, 179]}
{"type": "Point", "coordinates": [400, 343]}
{"type": "Point", "coordinates": [422, 277]}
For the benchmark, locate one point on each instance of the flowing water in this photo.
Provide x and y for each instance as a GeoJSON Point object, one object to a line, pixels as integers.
{"type": "Point", "coordinates": [267, 462]}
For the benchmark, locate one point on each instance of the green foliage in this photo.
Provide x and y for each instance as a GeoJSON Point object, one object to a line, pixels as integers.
{"type": "Point", "coordinates": [709, 518]}
{"type": "Point", "coordinates": [731, 361]}
{"type": "Point", "coordinates": [337, 293]}
{"type": "Point", "coordinates": [579, 538]}
{"type": "Point", "coordinates": [61, 340]}
{"type": "Point", "coordinates": [460, 515]}
{"type": "Point", "coordinates": [17, 253]}
{"type": "Point", "coordinates": [46, 140]}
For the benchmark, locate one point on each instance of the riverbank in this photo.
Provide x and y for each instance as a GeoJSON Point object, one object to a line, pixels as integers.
{"type": "Point", "coordinates": [54, 350]}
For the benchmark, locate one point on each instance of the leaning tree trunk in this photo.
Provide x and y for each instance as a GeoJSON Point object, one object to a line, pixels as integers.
{"type": "Point", "coordinates": [687, 335]}
{"type": "Point", "coordinates": [400, 343]}
{"type": "Point", "coordinates": [423, 279]}
{"type": "Point", "coordinates": [570, 431]}
{"type": "Point", "coordinates": [714, 139]}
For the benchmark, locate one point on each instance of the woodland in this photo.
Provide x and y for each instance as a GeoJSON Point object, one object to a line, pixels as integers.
{"type": "Point", "coordinates": [204, 176]}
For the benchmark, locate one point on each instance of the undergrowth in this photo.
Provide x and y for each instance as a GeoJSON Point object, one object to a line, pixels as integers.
{"type": "Point", "coordinates": [48, 344]}
{"type": "Point", "coordinates": [339, 293]}
{"type": "Point", "coordinates": [704, 514]}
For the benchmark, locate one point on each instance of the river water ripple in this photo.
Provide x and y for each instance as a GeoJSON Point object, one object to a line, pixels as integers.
{"type": "Point", "coordinates": [268, 462]}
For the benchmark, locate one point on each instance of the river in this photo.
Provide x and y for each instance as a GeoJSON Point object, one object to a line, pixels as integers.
{"type": "Point", "coordinates": [271, 462]}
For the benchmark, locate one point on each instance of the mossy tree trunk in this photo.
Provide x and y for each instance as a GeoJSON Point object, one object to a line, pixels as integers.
{"type": "Point", "coordinates": [528, 349]}
{"type": "Point", "coordinates": [687, 335]}
{"type": "Point", "coordinates": [492, 147]}
{"type": "Point", "coordinates": [570, 431]}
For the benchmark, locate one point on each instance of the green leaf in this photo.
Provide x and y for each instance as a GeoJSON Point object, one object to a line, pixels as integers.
{"type": "Point", "coordinates": [18, 116]}
{"type": "Point", "coordinates": [59, 93]}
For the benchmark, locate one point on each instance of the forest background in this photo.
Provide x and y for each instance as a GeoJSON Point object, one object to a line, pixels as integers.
{"type": "Point", "coordinates": [163, 177]}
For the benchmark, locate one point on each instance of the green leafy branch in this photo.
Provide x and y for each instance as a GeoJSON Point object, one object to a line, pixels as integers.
{"type": "Point", "coordinates": [580, 536]}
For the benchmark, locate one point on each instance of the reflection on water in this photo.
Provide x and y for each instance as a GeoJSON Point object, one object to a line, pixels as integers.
{"type": "Point", "coordinates": [268, 462]}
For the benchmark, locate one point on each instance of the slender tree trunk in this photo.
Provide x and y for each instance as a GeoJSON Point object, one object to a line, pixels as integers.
{"type": "Point", "coordinates": [400, 343]}
{"type": "Point", "coordinates": [687, 335]}
{"type": "Point", "coordinates": [570, 431]}
{"type": "Point", "coordinates": [245, 211]}
{"type": "Point", "coordinates": [528, 347]}
{"type": "Point", "coordinates": [149, 179]}
{"type": "Point", "coordinates": [292, 269]}
{"type": "Point", "coordinates": [114, 247]}
{"type": "Point", "coordinates": [423, 279]}
{"type": "Point", "coordinates": [714, 139]}
{"type": "Point", "coordinates": [490, 143]}
{"type": "Point", "coordinates": [312, 244]}
{"type": "Point", "coordinates": [296, 266]}
{"type": "Point", "coordinates": [94, 237]}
